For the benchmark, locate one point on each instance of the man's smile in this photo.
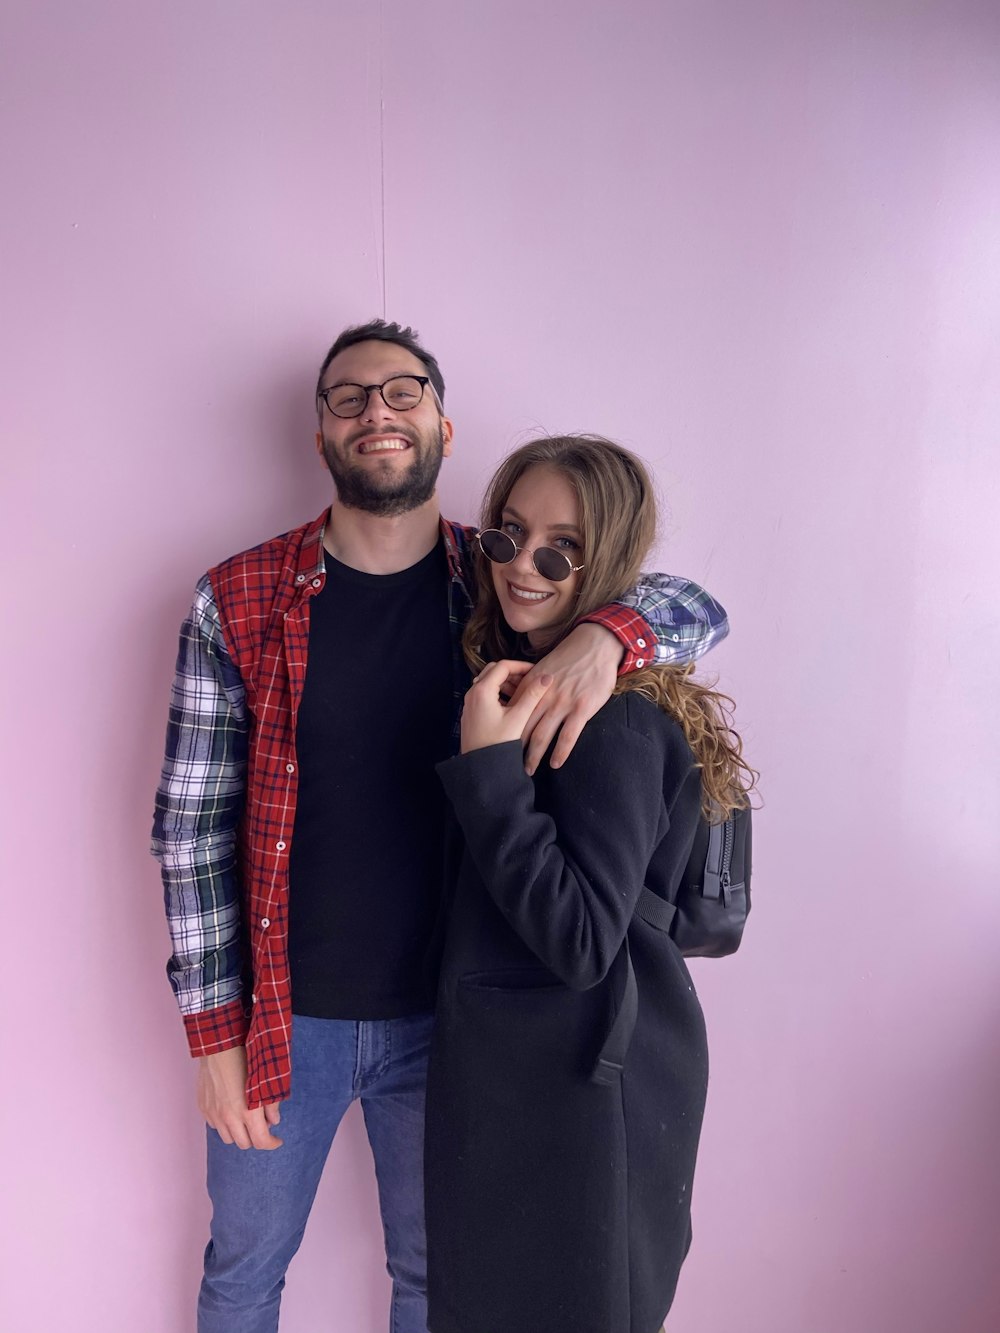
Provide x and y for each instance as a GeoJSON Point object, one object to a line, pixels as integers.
{"type": "Point", "coordinates": [380, 444]}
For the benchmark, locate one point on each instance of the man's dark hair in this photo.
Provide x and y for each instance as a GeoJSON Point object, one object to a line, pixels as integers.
{"type": "Point", "coordinates": [377, 330]}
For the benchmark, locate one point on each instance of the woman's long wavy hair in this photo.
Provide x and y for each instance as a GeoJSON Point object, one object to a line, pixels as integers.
{"type": "Point", "coordinates": [618, 524]}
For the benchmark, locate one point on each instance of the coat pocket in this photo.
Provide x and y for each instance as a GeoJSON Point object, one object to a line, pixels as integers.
{"type": "Point", "coordinates": [513, 981]}
{"type": "Point", "coordinates": [525, 1026]}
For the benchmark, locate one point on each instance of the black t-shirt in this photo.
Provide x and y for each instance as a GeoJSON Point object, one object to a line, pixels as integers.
{"type": "Point", "coordinates": [376, 714]}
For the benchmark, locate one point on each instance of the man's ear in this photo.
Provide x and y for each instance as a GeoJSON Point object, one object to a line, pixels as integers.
{"type": "Point", "coordinates": [319, 445]}
{"type": "Point", "coordinates": [447, 432]}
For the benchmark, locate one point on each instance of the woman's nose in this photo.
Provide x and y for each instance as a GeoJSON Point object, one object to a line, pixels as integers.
{"type": "Point", "coordinates": [523, 563]}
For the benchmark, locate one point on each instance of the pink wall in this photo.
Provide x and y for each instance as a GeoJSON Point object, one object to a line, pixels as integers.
{"type": "Point", "coordinates": [760, 242]}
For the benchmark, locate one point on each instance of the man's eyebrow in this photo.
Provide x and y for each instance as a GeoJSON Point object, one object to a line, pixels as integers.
{"type": "Point", "coordinates": [552, 527]}
{"type": "Point", "coordinates": [339, 384]}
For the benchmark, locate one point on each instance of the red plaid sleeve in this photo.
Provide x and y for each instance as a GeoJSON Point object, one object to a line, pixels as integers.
{"type": "Point", "coordinates": [631, 630]}
{"type": "Point", "coordinates": [217, 1029]}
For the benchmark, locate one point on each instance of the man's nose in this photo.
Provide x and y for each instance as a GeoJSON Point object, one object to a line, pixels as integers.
{"type": "Point", "coordinates": [377, 409]}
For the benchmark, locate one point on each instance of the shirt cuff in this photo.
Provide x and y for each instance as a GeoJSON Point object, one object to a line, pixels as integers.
{"type": "Point", "coordinates": [631, 630]}
{"type": "Point", "coordinates": [217, 1029]}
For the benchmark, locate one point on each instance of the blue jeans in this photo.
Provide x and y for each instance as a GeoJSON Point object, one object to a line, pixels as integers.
{"type": "Point", "coordinates": [261, 1200]}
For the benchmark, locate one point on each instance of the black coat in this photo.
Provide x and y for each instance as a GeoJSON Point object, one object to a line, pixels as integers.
{"type": "Point", "coordinates": [554, 1204]}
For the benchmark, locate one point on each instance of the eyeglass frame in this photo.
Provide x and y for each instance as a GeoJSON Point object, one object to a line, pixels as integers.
{"type": "Point", "coordinates": [570, 567]}
{"type": "Point", "coordinates": [422, 380]}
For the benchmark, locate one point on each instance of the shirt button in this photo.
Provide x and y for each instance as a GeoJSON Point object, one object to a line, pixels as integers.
{"type": "Point", "coordinates": [280, 846]}
{"type": "Point", "coordinates": [300, 578]}
{"type": "Point", "coordinates": [289, 768]}
{"type": "Point", "coordinates": [676, 638]}
{"type": "Point", "coordinates": [265, 921]}
{"type": "Point", "coordinates": [317, 582]}
{"type": "Point", "coordinates": [641, 643]}
{"type": "Point", "coordinates": [641, 663]}
{"type": "Point", "coordinates": [253, 999]}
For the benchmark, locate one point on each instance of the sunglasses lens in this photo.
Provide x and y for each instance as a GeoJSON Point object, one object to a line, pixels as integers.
{"type": "Point", "coordinates": [497, 546]}
{"type": "Point", "coordinates": [552, 564]}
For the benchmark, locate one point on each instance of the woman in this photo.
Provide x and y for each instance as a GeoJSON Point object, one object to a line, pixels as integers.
{"type": "Point", "coordinates": [557, 1202]}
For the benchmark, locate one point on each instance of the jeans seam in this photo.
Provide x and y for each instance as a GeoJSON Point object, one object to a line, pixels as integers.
{"type": "Point", "coordinates": [358, 1079]}
{"type": "Point", "coordinates": [388, 1050]}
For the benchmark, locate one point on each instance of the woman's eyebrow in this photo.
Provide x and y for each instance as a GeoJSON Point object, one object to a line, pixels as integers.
{"type": "Point", "coordinates": [552, 527]}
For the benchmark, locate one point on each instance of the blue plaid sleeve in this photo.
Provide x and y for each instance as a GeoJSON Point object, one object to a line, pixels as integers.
{"type": "Point", "coordinates": [198, 806]}
{"type": "Point", "coordinates": [674, 617]}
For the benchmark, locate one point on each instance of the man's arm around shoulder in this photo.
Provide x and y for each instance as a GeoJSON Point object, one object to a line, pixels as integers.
{"type": "Point", "coordinates": [662, 620]}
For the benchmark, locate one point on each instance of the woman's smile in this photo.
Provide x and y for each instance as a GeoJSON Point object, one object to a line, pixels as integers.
{"type": "Point", "coordinates": [526, 594]}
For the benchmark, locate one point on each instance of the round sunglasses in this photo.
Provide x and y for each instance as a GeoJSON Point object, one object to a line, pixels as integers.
{"type": "Point", "coordinates": [502, 549]}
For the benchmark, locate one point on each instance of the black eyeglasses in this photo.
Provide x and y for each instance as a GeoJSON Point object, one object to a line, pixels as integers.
{"type": "Point", "coordinates": [400, 392]}
{"type": "Point", "coordinates": [501, 548]}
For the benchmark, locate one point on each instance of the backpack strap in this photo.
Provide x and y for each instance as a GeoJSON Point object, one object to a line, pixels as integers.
{"type": "Point", "coordinates": [611, 1057]}
{"type": "Point", "coordinates": [657, 912]}
{"type": "Point", "coordinates": [654, 910]}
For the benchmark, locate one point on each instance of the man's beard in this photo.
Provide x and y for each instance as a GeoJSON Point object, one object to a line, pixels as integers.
{"type": "Point", "coordinates": [387, 492]}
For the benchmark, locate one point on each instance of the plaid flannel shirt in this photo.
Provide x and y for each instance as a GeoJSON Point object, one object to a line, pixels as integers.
{"type": "Point", "coordinates": [225, 805]}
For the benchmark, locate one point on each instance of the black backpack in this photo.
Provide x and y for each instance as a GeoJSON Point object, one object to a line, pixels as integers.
{"type": "Point", "coordinates": [705, 920]}
{"type": "Point", "coordinates": [713, 899]}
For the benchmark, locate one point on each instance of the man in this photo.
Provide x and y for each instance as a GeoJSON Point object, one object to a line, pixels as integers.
{"type": "Point", "coordinates": [299, 824]}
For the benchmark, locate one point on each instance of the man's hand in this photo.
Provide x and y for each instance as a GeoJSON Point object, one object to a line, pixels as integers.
{"type": "Point", "coordinates": [584, 669]}
{"type": "Point", "coordinates": [222, 1100]}
{"type": "Point", "coordinates": [487, 718]}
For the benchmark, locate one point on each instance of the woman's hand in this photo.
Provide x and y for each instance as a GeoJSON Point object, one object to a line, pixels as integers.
{"type": "Point", "coordinates": [486, 718]}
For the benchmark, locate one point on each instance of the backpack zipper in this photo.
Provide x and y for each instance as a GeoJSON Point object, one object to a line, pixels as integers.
{"type": "Point", "coordinates": [718, 862]}
{"type": "Point", "coordinates": [727, 857]}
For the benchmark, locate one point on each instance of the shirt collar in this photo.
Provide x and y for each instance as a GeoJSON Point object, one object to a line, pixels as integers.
{"type": "Point", "coordinates": [311, 563]}
{"type": "Point", "coordinates": [449, 532]}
